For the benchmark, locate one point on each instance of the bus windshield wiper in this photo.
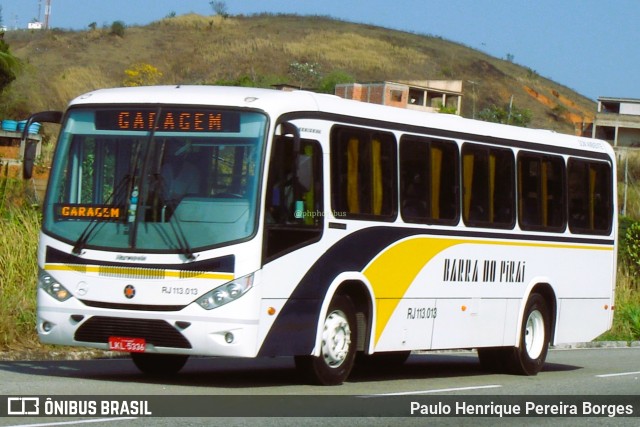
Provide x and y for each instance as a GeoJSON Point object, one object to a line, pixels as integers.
{"type": "Point", "coordinates": [119, 196]}
{"type": "Point", "coordinates": [181, 239]}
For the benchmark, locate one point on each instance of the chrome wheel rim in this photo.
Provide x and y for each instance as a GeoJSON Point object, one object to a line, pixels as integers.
{"type": "Point", "coordinates": [534, 334]}
{"type": "Point", "coordinates": [336, 339]}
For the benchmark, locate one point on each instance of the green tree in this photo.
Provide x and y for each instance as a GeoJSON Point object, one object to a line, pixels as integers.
{"type": "Point", "coordinates": [305, 74]}
{"type": "Point", "coordinates": [9, 64]}
{"type": "Point", "coordinates": [219, 8]}
{"type": "Point", "coordinates": [513, 116]}
{"type": "Point", "coordinates": [328, 82]}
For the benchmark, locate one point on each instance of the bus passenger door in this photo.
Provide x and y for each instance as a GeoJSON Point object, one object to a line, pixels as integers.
{"type": "Point", "coordinates": [293, 208]}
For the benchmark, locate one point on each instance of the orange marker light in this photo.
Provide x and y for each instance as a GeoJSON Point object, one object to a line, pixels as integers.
{"type": "Point", "coordinates": [271, 311]}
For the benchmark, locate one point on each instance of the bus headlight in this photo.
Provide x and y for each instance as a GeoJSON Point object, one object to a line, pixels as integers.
{"type": "Point", "coordinates": [52, 287]}
{"type": "Point", "coordinates": [226, 293]}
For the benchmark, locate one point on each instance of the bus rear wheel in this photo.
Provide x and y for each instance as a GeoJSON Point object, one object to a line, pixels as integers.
{"type": "Point", "coordinates": [529, 357]}
{"type": "Point", "coordinates": [338, 346]}
{"type": "Point", "coordinates": [159, 364]}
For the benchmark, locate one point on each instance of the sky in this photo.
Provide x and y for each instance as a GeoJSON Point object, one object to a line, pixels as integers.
{"type": "Point", "coordinates": [590, 46]}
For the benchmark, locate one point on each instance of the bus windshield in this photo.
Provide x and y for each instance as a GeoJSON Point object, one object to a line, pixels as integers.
{"type": "Point", "coordinates": [158, 179]}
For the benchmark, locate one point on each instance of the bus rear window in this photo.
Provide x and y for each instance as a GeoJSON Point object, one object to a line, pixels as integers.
{"type": "Point", "coordinates": [590, 197]}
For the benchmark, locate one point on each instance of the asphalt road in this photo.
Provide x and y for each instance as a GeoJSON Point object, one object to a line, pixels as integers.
{"type": "Point", "coordinates": [585, 374]}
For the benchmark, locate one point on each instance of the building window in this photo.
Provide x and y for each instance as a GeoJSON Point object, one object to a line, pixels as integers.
{"type": "Point", "coordinates": [416, 97]}
{"type": "Point", "coordinates": [396, 95]}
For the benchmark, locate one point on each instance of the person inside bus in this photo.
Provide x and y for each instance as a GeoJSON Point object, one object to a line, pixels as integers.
{"type": "Point", "coordinates": [179, 173]}
{"type": "Point", "coordinates": [414, 202]}
{"type": "Point", "coordinates": [285, 185]}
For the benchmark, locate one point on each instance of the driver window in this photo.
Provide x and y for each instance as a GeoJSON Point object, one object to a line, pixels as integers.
{"type": "Point", "coordinates": [294, 209]}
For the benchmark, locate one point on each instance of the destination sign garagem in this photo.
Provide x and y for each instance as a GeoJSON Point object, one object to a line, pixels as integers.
{"type": "Point", "coordinates": [89, 211]}
{"type": "Point", "coordinates": [171, 120]}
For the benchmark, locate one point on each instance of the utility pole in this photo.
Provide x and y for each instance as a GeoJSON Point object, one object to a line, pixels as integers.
{"type": "Point", "coordinates": [473, 92]}
{"type": "Point", "coordinates": [47, 13]}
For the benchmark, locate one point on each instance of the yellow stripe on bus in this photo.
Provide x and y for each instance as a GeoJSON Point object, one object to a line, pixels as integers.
{"type": "Point", "coordinates": [139, 272]}
{"type": "Point", "coordinates": [390, 283]}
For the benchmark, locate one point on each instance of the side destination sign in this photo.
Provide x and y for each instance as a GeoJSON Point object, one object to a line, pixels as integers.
{"type": "Point", "coordinates": [89, 211]}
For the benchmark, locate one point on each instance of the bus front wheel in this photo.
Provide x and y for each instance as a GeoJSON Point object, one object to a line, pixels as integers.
{"type": "Point", "coordinates": [159, 364]}
{"type": "Point", "coordinates": [338, 345]}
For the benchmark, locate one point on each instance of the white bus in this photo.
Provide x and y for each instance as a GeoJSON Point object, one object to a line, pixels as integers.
{"type": "Point", "coordinates": [218, 221]}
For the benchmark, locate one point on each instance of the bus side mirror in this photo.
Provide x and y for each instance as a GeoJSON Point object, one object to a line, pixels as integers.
{"type": "Point", "coordinates": [30, 147]}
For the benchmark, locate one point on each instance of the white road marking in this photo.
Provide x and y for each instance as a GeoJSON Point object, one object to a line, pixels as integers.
{"type": "Point", "coordinates": [441, 390]}
{"type": "Point", "coordinates": [66, 423]}
{"type": "Point", "coordinates": [618, 375]}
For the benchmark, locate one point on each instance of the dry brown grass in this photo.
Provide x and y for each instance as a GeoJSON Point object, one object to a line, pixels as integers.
{"type": "Point", "coordinates": [194, 49]}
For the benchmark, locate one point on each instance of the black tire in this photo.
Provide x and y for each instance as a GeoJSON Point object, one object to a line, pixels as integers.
{"type": "Point", "coordinates": [338, 350]}
{"type": "Point", "coordinates": [159, 364]}
{"type": "Point", "coordinates": [529, 357]}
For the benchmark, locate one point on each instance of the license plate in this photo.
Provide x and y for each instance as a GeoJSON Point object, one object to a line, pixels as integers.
{"type": "Point", "coordinates": [131, 345]}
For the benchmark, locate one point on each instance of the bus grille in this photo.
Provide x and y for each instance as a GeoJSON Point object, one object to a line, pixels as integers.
{"type": "Point", "coordinates": [157, 332]}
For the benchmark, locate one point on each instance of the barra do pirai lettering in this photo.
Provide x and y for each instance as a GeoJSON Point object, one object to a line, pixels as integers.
{"type": "Point", "coordinates": [465, 270]}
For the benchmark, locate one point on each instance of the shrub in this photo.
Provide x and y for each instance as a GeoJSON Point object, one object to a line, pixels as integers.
{"type": "Point", "coordinates": [142, 75]}
{"type": "Point", "coordinates": [630, 244]}
{"type": "Point", "coordinates": [117, 28]}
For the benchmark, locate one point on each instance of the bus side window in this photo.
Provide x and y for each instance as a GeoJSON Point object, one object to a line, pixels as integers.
{"type": "Point", "coordinates": [428, 181]}
{"type": "Point", "coordinates": [541, 195]}
{"type": "Point", "coordinates": [293, 210]}
{"type": "Point", "coordinates": [363, 174]}
{"type": "Point", "coordinates": [590, 198]}
{"type": "Point", "coordinates": [488, 186]}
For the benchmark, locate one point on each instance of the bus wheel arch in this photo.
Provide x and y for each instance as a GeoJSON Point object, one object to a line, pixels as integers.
{"type": "Point", "coordinates": [527, 357]}
{"type": "Point", "coordinates": [343, 331]}
{"type": "Point", "coordinates": [536, 331]}
{"type": "Point", "coordinates": [546, 291]}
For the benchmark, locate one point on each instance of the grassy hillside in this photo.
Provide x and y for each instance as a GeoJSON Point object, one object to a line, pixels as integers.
{"type": "Point", "coordinates": [259, 50]}
{"type": "Point", "coordinates": [256, 50]}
